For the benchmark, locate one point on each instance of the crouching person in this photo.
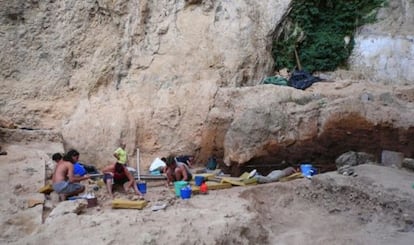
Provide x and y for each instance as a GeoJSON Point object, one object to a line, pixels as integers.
{"type": "Point", "coordinates": [177, 171]}
{"type": "Point", "coordinates": [118, 174]}
{"type": "Point", "coordinates": [65, 183]}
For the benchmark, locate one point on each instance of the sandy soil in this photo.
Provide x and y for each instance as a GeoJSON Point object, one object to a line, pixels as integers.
{"type": "Point", "coordinates": [375, 207]}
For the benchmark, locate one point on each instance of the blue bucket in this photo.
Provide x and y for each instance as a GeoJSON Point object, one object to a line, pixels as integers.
{"type": "Point", "coordinates": [198, 180]}
{"type": "Point", "coordinates": [185, 192]}
{"type": "Point", "coordinates": [307, 170]}
{"type": "Point", "coordinates": [142, 187]}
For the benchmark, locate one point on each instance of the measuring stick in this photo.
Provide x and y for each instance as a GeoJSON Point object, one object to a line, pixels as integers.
{"type": "Point", "coordinates": [138, 172]}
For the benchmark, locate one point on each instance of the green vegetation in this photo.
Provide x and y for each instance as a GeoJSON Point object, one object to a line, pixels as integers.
{"type": "Point", "coordinates": [322, 32]}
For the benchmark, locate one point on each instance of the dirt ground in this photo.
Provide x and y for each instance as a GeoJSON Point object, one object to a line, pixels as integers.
{"type": "Point", "coordinates": [374, 207]}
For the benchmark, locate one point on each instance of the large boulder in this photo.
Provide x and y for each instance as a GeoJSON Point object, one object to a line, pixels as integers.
{"type": "Point", "coordinates": [71, 208]}
{"type": "Point", "coordinates": [408, 163]}
{"type": "Point", "coordinates": [352, 158]}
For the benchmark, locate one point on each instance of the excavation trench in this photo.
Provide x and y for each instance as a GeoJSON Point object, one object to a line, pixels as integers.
{"type": "Point", "coordinates": [350, 207]}
{"type": "Point", "coordinates": [338, 137]}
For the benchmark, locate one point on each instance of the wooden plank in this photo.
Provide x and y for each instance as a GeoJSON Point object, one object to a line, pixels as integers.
{"type": "Point", "coordinates": [205, 175]}
{"type": "Point", "coordinates": [291, 177]}
{"type": "Point", "coordinates": [238, 181]}
{"type": "Point", "coordinates": [150, 177]}
{"type": "Point", "coordinates": [245, 175]}
{"type": "Point", "coordinates": [47, 189]}
{"type": "Point", "coordinates": [142, 176]}
{"type": "Point", "coordinates": [211, 186]}
{"type": "Point", "coordinates": [251, 181]}
{"type": "Point", "coordinates": [121, 203]}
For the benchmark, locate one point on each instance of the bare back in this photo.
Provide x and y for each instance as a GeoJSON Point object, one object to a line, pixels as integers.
{"type": "Point", "coordinates": [109, 169]}
{"type": "Point", "coordinates": [63, 168]}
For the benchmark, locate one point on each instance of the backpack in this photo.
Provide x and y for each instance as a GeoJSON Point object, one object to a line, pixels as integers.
{"type": "Point", "coordinates": [301, 79]}
{"type": "Point", "coordinates": [212, 163]}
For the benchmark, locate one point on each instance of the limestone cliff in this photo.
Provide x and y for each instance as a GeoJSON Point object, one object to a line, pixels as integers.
{"type": "Point", "coordinates": [384, 50]}
{"type": "Point", "coordinates": [173, 77]}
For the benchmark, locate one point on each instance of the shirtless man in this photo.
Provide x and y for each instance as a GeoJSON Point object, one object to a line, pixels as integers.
{"type": "Point", "coordinates": [64, 181]}
{"type": "Point", "coordinates": [185, 159]}
{"type": "Point", "coordinates": [177, 171]}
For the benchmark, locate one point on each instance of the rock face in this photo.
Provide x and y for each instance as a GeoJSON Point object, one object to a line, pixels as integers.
{"type": "Point", "coordinates": [182, 77]}
{"type": "Point", "coordinates": [384, 50]}
{"type": "Point", "coordinates": [270, 124]}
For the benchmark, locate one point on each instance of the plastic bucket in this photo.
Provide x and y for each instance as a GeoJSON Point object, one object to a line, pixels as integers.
{"type": "Point", "coordinates": [198, 180]}
{"type": "Point", "coordinates": [204, 188]}
{"type": "Point", "coordinates": [142, 187]}
{"type": "Point", "coordinates": [185, 192]}
{"type": "Point", "coordinates": [307, 170]}
{"type": "Point", "coordinates": [178, 185]}
{"type": "Point", "coordinates": [92, 202]}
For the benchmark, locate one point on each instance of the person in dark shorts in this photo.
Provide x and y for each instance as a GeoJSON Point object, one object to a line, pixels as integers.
{"type": "Point", "coordinates": [118, 174]}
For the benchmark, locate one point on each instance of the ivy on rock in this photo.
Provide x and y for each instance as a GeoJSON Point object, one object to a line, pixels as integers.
{"type": "Point", "coordinates": [322, 32]}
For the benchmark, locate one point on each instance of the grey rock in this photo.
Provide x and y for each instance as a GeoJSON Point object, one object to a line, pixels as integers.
{"type": "Point", "coordinates": [352, 158]}
{"type": "Point", "coordinates": [408, 163]}
{"type": "Point", "coordinates": [68, 207]}
{"type": "Point", "coordinates": [392, 158]}
{"type": "Point", "coordinates": [365, 97]}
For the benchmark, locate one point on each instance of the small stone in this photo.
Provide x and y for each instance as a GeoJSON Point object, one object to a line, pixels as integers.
{"type": "Point", "coordinates": [390, 158]}
{"type": "Point", "coordinates": [365, 97]}
{"type": "Point", "coordinates": [33, 202]}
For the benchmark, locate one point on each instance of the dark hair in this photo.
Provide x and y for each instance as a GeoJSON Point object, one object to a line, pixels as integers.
{"type": "Point", "coordinates": [170, 160]}
{"type": "Point", "coordinates": [57, 157]}
{"type": "Point", "coordinates": [71, 153]}
{"type": "Point", "coordinates": [164, 159]}
{"type": "Point", "coordinates": [119, 168]}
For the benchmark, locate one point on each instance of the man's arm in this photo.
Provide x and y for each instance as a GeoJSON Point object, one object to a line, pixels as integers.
{"type": "Point", "coordinates": [168, 174]}
{"type": "Point", "coordinates": [72, 177]}
{"type": "Point", "coordinates": [116, 153]}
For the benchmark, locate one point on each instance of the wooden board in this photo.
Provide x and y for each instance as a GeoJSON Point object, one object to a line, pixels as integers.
{"type": "Point", "coordinates": [291, 177]}
{"type": "Point", "coordinates": [240, 181]}
{"type": "Point", "coordinates": [121, 203]}
{"type": "Point", "coordinates": [47, 189]}
{"type": "Point", "coordinates": [150, 177]}
{"type": "Point", "coordinates": [211, 186]}
{"type": "Point", "coordinates": [205, 175]}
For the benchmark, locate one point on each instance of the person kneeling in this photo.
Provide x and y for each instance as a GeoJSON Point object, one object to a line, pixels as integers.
{"type": "Point", "coordinates": [117, 173]}
{"type": "Point", "coordinates": [177, 171]}
{"type": "Point", "coordinates": [65, 183]}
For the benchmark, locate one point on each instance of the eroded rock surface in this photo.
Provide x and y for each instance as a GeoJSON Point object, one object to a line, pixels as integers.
{"type": "Point", "coordinates": [183, 77]}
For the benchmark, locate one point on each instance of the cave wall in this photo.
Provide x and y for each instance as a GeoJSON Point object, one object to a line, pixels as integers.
{"type": "Point", "coordinates": [177, 77]}
{"type": "Point", "coordinates": [384, 50]}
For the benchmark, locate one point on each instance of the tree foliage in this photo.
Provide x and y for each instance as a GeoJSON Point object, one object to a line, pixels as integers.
{"type": "Point", "coordinates": [322, 32]}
